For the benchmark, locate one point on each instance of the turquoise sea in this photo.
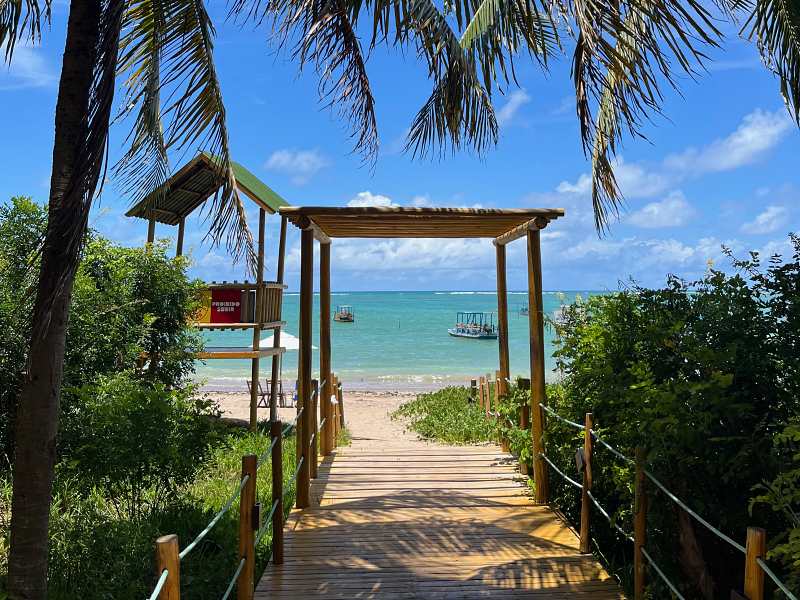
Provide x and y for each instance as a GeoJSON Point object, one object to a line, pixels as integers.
{"type": "Point", "coordinates": [399, 341]}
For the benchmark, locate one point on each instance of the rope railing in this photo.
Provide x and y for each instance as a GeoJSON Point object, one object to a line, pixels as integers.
{"type": "Point", "coordinates": [268, 451]}
{"type": "Point", "coordinates": [268, 522]}
{"type": "Point", "coordinates": [293, 478]}
{"type": "Point", "coordinates": [603, 512]}
{"type": "Point", "coordinates": [781, 586]}
{"type": "Point", "coordinates": [234, 579]}
{"type": "Point", "coordinates": [661, 574]}
{"type": "Point", "coordinates": [610, 448]}
{"type": "Point", "coordinates": [550, 411]}
{"type": "Point", "coordinates": [159, 585]}
{"type": "Point", "coordinates": [216, 518]}
{"type": "Point", "coordinates": [560, 472]}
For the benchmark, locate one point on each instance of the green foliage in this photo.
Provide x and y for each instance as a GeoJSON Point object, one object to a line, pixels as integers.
{"type": "Point", "coordinates": [447, 416]}
{"type": "Point", "coordinates": [97, 553]}
{"type": "Point", "coordinates": [782, 495]}
{"type": "Point", "coordinates": [138, 441]}
{"type": "Point", "coordinates": [22, 226]}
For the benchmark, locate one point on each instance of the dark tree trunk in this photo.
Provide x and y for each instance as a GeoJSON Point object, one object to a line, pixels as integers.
{"type": "Point", "coordinates": [73, 180]}
{"type": "Point", "coordinates": [691, 556]}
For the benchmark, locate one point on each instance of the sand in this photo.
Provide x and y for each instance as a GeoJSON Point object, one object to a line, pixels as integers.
{"type": "Point", "coordinates": [366, 412]}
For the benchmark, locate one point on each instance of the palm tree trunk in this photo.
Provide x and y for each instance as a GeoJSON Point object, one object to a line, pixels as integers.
{"type": "Point", "coordinates": [38, 407]}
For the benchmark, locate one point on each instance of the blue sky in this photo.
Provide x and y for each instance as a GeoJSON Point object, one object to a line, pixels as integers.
{"type": "Point", "coordinates": [721, 167]}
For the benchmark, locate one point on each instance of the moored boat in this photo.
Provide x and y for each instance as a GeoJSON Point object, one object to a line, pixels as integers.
{"type": "Point", "coordinates": [344, 314]}
{"type": "Point", "coordinates": [475, 325]}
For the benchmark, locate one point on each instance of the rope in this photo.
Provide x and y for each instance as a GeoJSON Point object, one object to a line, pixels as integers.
{"type": "Point", "coordinates": [560, 418]}
{"type": "Point", "coordinates": [560, 472]}
{"type": "Point", "coordinates": [261, 459]}
{"type": "Point", "coordinates": [322, 424]}
{"type": "Point", "coordinates": [268, 522]}
{"type": "Point", "coordinates": [294, 477]}
{"type": "Point", "coordinates": [610, 448]}
{"type": "Point", "coordinates": [160, 584]}
{"type": "Point", "coordinates": [661, 574]}
{"type": "Point", "coordinates": [233, 581]}
{"type": "Point", "coordinates": [608, 518]}
{"type": "Point", "coordinates": [311, 440]}
{"type": "Point", "coordinates": [216, 519]}
{"type": "Point", "coordinates": [682, 504]}
{"type": "Point", "coordinates": [775, 579]}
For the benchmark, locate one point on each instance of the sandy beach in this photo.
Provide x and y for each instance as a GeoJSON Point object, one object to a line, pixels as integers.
{"type": "Point", "coordinates": [364, 410]}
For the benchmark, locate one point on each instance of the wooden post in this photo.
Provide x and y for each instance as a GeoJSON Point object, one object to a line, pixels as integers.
{"type": "Point", "coordinates": [256, 362]}
{"type": "Point", "coordinates": [587, 485]}
{"type": "Point", "coordinates": [167, 558]}
{"type": "Point", "coordinates": [179, 244]}
{"type": "Point", "coordinates": [480, 392]}
{"type": "Point", "coordinates": [753, 573]}
{"type": "Point", "coordinates": [639, 527]}
{"type": "Point", "coordinates": [538, 393]}
{"type": "Point", "coordinates": [151, 230]}
{"type": "Point", "coordinates": [335, 409]}
{"type": "Point", "coordinates": [502, 311]}
{"type": "Point", "coordinates": [276, 431]}
{"type": "Point", "coordinates": [325, 347]}
{"type": "Point", "coordinates": [340, 398]}
{"type": "Point", "coordinates": [247, 501]}
{"type": "Point", "coordinates": [313, 451]}
{"type": "Point", "coordinates": [473, 389]}
{"type": "Point", "coordinates": [304, 361]}
{"type": "Point", "coordinates": [276, 343]}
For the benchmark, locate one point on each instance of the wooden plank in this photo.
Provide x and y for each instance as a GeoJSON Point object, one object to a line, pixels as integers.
{"type": "Point", "coordinates": [218, 354]}
{"type": "Point", "coordinates": [265, 325]}
{"type": "Point", "coordinates": [502, 312]}
{"type": "Point", "coordinates": [304, 362]}
{"type": "Point", "coordinates": [327, 441]}
{"type": "Point", "coordinates": [276, 343]}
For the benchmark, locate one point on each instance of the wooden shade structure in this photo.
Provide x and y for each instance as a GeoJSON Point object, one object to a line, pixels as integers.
{"type": "Point", "coordinates": [183, 193]}
{"type": "Point", "coordinates": [324, 223]}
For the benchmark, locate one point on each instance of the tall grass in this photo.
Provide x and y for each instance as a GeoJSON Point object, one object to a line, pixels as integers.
{"type": "Point", "coordinates": [95, 554]}
{"type": "Point", "coordinates": [449, 416]}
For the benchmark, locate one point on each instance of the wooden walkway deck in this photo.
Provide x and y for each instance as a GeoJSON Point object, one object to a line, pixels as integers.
{"type": "Point", "coordinates": [402, 519]}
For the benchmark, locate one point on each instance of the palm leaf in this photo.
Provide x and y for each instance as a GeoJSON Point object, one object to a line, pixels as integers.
{"type": "Point", "coordinates": [193, 113]}
{"type": "Point", "coordinates": [19, 20]}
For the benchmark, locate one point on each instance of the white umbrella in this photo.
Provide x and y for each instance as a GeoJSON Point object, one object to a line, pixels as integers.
{"type": "Point", "coordinates": [288, 341]}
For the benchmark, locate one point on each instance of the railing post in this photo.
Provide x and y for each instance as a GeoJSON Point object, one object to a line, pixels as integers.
{"type": "Point", "coordinates": [524, 418]}
{"type": "Point", "coordinates": [473, 385]}
{"type": "Point", "coordinates": [480, 393]}
{"type": "Point", "coordinates": [276, 432]}
{"type": "Point", "coordinates": [167, 558]}
{"type": "Point", "coordinates": [639, 527]}
{"type": "Point", "coordinates": [313, 451]}
{"type": "Point", "coordinates": [539, 468]}
{"type": "Point", "coordinates": [587, 485]}
{"type": "Point", "coordinates": [340, 397]}
{"type": "Point", "coordinates": [753, 573]}
{"type": "Point", "coordinates": [335, 410]}
{"type": "Point", "coordinates": [247, 501]}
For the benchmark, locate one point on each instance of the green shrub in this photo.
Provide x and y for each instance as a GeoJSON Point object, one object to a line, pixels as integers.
{"type": "Point", "coordinates": [137, 441]}
{"type": "Point", "coordinates": [447, 416]}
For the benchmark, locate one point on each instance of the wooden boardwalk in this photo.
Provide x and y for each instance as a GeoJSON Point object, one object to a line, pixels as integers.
{"type": "Point", "coordinates": [403, 519]}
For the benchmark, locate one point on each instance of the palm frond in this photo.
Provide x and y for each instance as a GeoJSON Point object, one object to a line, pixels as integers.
{"type": "Point", "coordinates": [193, 112]}
{"type": "Point", "coordinates": [624, 52]}
{"type": "Point", "coordinates": [775, 26]}
{"type": "Point", "coordinates": [21, 19]}
{"type": "Point", "coordinates": [144, 169]}
{"type": "Point", "coordinates": [327, 39]}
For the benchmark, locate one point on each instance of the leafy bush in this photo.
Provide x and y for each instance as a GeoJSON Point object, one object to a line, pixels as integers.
{"type": "Point", "coordinates": [138, 441]}
{"type": "Point", "coordinates": [447, 416]}
{"type": "Point", "coordinates": [22, 226]}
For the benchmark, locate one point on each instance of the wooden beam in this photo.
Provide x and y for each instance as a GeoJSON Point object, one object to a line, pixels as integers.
{"type": "Point", "coordinates": [304, 361]}
{"type": "Point", "coordinates": [238, 353]}
{"type": "Point", "coordinates": [255, 366]}
{"type": "Point", "coordinates": [325, 347]}
{"type": "Point", "coordinates": [520, 231]}
{"type": "Point", "coordinates": [502, 314]}
{"type": "Point", "coordinates": [179, 245]}
{"type": "Point", "coordinates": [538, 394]}
{"type": "Point", "coordinates": [151, 230]}
{"type": "Point", "coordinates": [305, 223]}
{"type": "Point", "coordinates": [276, 371]}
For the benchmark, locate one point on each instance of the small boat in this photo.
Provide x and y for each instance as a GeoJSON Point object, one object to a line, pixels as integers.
{"type": "Point", "coordinates": [344, 314]}
{"type": "Point", "coordinates": [523, 310]}
{"type": "Point", "coordinates": [475, 325]}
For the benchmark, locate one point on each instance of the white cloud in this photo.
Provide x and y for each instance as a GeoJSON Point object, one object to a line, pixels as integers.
{"type": "Point", "coordinates": [300, 165]}
{"type": "Point", "coordinates": [410, 254]}
{"type": "Point", "coordinates": [516, 100]}
{"type": "Point", "coordinates": [634, 180]}
{"type": "Point", "coordinates": [367, 198]}
{"type": "Point", "coordinates": [771, 219]}
{"type": "Point", "coordinates": [758, 132]}
{"type": "Point", "coordinates": [28, 69]}
{"type": "Point", "coordinates": [672, 211]}
{"type": "Point", "coordinates": [582, 186]}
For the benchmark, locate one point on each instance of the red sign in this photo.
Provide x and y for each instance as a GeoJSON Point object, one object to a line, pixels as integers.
{"type": "Point", "coordinates": [226, 306]}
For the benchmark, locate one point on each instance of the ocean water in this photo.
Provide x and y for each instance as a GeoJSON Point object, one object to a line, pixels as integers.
{"type": "Point", "coordinates": [399, 340]}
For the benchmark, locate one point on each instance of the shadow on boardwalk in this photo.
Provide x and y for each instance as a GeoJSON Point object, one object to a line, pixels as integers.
{"type": "Point", "coordinates": [416, 521]}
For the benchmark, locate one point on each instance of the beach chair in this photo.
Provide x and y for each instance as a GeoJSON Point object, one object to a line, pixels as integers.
{"type": "Point", "coordinates": [282, 400]}
{"type": "Point", "coordinates": [263, 397]}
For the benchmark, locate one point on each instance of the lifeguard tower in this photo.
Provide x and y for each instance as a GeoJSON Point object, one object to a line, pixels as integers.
{"type": "Point", "coordinates": [227, 305]}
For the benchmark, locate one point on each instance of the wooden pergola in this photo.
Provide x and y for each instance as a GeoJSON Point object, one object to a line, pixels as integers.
{"type": "Point", "coordinates": [324, 223]}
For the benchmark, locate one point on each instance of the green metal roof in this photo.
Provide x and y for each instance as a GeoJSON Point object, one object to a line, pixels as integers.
{"type": "Point", "coordinates": [193, 184]}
